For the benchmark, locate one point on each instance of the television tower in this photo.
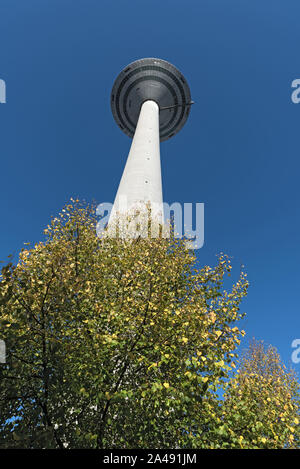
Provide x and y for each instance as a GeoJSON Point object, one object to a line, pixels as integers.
{"type": "Point", "coordinates": [150, 101]}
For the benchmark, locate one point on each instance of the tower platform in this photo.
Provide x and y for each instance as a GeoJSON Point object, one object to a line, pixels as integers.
{"type": "Point", "coordinates": [155, 80]}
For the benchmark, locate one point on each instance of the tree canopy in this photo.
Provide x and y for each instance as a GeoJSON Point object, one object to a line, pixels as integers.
{"type": "Point", "coordinates": [115, 343]}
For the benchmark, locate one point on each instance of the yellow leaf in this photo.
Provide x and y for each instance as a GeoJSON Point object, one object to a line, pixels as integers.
{"type": "Point", "coordinates": [152, 366]}
{"type": "Point", "coordinates": [212, 317]}
{"type": "Point", "coordinates": [166, 385]}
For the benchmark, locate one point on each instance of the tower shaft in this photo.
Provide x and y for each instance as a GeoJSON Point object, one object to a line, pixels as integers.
{"type": "Point", "coordinates": [141, 180]}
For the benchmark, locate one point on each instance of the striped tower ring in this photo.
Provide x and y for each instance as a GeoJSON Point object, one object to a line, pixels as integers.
{"type": "Point", "coordinates": [156, 80]}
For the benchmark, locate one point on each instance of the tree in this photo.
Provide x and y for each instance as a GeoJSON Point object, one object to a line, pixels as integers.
{"type": "Point", "coordinates": [113, 343]}
{"type": "Point", "coordinates": [261, 404]}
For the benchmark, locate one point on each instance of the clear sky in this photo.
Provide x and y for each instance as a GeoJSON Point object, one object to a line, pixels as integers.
{"type": "Point", "coordinates": [238, 152]}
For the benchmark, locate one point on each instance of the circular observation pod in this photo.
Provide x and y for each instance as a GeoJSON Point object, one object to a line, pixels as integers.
{"type": "Point", "coordinates": [156, 80]}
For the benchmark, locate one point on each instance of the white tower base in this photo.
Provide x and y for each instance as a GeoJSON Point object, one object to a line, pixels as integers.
{"type": "Point", "coordinates": [141, 184]}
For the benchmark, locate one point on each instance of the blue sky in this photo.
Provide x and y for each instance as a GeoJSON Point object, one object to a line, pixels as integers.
{"type": "Point", "coordinates": [238, 152]}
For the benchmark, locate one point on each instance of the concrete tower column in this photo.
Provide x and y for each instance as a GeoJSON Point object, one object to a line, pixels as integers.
{"type": "Point", "coordinates": [141, 181]}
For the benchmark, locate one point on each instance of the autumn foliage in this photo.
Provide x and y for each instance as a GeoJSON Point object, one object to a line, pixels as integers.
{"type": "Point", "coordinates": [127, 344]}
